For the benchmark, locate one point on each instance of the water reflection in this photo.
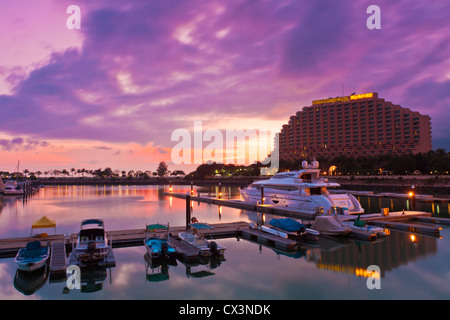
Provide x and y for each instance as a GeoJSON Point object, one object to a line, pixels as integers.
{"type": "Point", "coordinates": [203, 266]}
{"type": "Point", "coordinates": [159, 268]}
{"type": "Point", "coordinates": [341, 254]}
{"type": "Point", "coordinates": [251, 270]}
{"type": "Point", "coordinates": [28, 283]}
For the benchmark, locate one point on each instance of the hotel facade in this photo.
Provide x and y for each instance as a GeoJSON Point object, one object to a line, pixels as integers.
{"type": "Point", "coordinates": [355, 125]}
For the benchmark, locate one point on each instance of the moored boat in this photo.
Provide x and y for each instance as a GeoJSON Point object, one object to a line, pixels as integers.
{"type": "Point", "coordinates": [362, 227]}
{"type": "Point", "coordinates": [11, 188]}
{"type": "Point", "coordinates": [303, 190]}
{"type": "Point", "coordinates": [330, 225]}
{"type": "Point", "coordinates": [157, 244]}
{"type": "Point", "coordinates": [92, 242]}
{"type": "Point", "coordinates": [33, 257]}
{"type": "Point", "coordinates": [206, 247]}
{"type": "Point", "coordinates": [292, 227]}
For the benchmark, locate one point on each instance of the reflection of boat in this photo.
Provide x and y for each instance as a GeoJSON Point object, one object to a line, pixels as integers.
{"type": "Point", "coordinates": [92, 278]}
{"type": "Point", "coordinates": [206, 247]}
{"type": "Point", "coordinates": [330, 225]}
{"type": "Point", "coordinates": [157, 245]}
{"type": "Point", "coordinates": [207, 264]}
{"type": "Point", "coordinates": [92, 242]}
{"type": "Point", "coordinates": [30, 282]}
{"type": "Point", "coordinates": [304, 190]}
{"type": "Point", "coordinates": [159, 267]}
{"type": "Point", "coordinates": [33, 256]}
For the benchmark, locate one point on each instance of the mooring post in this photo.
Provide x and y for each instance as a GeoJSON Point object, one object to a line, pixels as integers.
{"type": "Point", "coordinates": [188, 211]}
{"type": "Point", "coordinates": [192, 188]}
{"type": "Point", "coordinates": [262, 195]}
{"type": "Point", "coordinates": [413, 198]}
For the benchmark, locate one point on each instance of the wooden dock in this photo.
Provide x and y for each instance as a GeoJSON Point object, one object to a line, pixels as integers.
{"type": "Point", "coordinates": [269, 239]}
{"type": "Point", "coordinates": [58, 257]}
{"type": "Point", "coordinates": [119, 238]}
{"type": "Point", "coordinates": [264, 208]}
{"type": "Point", "coordinates": [187, 251]}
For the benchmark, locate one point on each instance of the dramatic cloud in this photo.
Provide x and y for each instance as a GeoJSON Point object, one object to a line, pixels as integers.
{"type": "Point", "coordinates": [145, 68]}
{"type": "Point", "coordinates": [21, 144]}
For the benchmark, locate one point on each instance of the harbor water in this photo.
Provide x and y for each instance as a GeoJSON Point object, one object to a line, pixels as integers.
{"type": "Point", "coordinates": [412, 266]}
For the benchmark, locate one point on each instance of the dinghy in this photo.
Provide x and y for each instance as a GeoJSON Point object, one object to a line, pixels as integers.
{"type": "Point", "coordinates": [157, 245]}
{"type": "Point", "coordinates": [205, 247]}
{"type": "Point", "coordinates": [32, 257]}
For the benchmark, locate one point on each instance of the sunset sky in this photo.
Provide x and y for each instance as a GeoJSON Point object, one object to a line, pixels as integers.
{"type": "Point", "coordinates": [111, 93]}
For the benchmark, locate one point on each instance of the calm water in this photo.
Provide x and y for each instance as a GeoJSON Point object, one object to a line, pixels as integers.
{"type": "Point", "coordinates": [412, 266]}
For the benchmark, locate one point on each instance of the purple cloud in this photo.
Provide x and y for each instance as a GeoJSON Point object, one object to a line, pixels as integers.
{"type": "Point", "coordinates": [147, 68]}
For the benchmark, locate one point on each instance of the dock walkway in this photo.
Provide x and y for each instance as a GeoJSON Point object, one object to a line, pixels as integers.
{"type": "Point", "coordinates": [265, 208]}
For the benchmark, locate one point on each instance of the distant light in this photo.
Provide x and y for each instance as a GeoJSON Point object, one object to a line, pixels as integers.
{"type": "Point", "coordinates": [411, 194]}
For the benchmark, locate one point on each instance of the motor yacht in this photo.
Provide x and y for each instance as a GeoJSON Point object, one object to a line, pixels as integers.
{"type": "Point", "coordinates": [92, 243]}
{"type": "Point", "coordinates": [303, 190]}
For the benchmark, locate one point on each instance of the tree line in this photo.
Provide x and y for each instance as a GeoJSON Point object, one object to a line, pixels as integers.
{"type": "Point", "coordinates": [161, 171]}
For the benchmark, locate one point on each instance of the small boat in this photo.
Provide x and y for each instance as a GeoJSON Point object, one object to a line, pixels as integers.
{"type": "Point", "coordinates": [330, 225]}
{"type": "Point", "coordinates": [157, 245]}
{"type": "Point", "coordinates": [206, 247]}
{"type": "Point", "coordinates": [92, 242]}
{"type": "Point", "coordinates": [33, 256]}
{"type": "Point", "coordinates": [361, 226]}
{"type": "Point", "coordinates": [292, 226]}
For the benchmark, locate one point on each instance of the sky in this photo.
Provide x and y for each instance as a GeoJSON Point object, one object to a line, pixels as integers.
{"type": "Point", "coordinates": [112, 92]}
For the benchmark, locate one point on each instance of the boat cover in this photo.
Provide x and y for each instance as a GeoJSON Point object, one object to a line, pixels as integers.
{"type": "Point", "coordinates": [288, 224]}
{"type": "Point", "coordinates": [200, 225]}
{"type": "Point", "coordinates": [156, 227]}
{"type": "Point", "coordinates": [330, 224]}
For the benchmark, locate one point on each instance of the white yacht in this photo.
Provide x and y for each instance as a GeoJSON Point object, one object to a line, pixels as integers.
{"type": "Point", "coordinates": [304, 190]}
{"type": "Point", "coordinates": [11, 188]}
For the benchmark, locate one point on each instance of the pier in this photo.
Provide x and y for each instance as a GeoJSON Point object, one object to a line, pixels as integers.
{"type": "Point", "coordinates": [410, 221]}
{"type": "Point", "coordinates": [238, 204]}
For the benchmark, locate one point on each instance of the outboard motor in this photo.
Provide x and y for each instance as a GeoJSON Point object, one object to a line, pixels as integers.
{"type": "Point", "coordinates": [164, 249]}
{"type": "Point", "coordinates": [213, 247]}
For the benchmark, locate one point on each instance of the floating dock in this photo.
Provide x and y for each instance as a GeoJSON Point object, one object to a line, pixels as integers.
{"type": "Point", "coordinates": [269, 239]}
{"type": "Point", "coordinates": [264, 208]}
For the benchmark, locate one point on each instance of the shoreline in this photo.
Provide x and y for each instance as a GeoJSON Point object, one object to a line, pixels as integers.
{"type": "Point", "coordinates": [429, 185]}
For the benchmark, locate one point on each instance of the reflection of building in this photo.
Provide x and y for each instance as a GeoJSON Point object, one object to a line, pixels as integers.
{"type": "Point", "coordinates": [354, 125]}
{"type": "Point", "coordinates": [397, 249]}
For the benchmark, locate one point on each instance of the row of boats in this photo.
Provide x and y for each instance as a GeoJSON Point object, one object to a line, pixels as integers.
{"type": "Point", "coordinates": [92, 245]}
{"type": "Point", "coordinates": [303, 190]}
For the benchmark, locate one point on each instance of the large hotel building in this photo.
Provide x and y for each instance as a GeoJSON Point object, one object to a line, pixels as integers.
{"type": "Point", "coordinates": [355, 125]}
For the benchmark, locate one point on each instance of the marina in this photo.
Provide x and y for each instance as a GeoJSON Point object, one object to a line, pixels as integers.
{"type": "Point", "coordinates": [230, 221]}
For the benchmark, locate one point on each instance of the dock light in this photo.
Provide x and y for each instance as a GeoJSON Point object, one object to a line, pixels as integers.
{"type": "Point", "coordinates": [192, 188]}
{"type": "Point", "coordinates": [413, 238]}
{"type": "Point", "coordinates": [411, 194]}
